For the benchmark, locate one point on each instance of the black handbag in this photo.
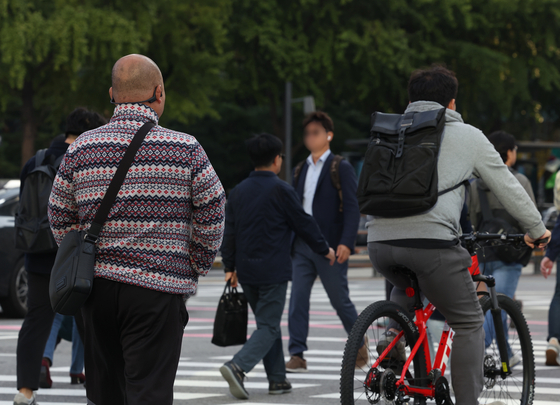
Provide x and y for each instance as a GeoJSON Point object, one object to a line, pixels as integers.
{"type": "Point", "coordinates": [230, 325]}
{"type": "Point", "coordinates": [72, 274]}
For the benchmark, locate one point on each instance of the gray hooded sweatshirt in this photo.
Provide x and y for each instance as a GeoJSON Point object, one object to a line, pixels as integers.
{"type": "Point", "coordinates": [465, 152]}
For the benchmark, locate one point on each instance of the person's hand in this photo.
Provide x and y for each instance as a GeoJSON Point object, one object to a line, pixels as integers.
{"type": "Point", "coordinates": [531, 242]}
{"type": "Point", "coordinates": [331, 256]}
{"type": "Point", "coordinates": [231, 276]}
{"type": "Point", "coordinates": [342, 253]}
{"type": "Point", "coordinates": [546, 267]}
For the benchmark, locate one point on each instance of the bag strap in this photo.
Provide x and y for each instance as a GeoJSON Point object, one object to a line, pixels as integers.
{"type": "Point", "coordinates": [297, 172]}
{"type": "Point", "coordinates": [39, 157]}
{"type": "Point", "coordinates": [465, 183]}
{"type": "Point", "coordinates": [335, 177]}
{"type": "Point", "coordinates": [484, 204]}
{"type": "Point", "coordinates": [116, 182]}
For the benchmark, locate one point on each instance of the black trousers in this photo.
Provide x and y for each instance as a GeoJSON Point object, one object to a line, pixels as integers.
{"type": "Point", "coordinates": [133, 340]}
{"type": "Point", "coordinates": [34, 332]}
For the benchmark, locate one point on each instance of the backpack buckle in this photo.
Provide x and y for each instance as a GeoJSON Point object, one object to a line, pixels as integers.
{"type": "Point", "coordinates": [91, 238]}
{"type": "Point", "coordinates": [405, 124]}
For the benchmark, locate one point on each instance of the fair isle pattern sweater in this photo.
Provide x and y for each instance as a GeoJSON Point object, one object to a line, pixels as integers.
{"type": "Point", "coordinates": [166, 225]}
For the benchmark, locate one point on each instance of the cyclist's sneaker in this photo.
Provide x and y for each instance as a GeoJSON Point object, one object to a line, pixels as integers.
{"type": "Point", "coordinates": [363, 354]}
{"type": "Point", "coordinates": [398, 352]}
{"type": "Point", "coordinates": [514, 360]}
{"type": "Point", "coordinates": [552, 352]}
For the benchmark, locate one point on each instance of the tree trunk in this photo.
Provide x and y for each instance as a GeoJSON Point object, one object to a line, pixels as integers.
{"type": "Point", "coordinates": [29, 122]}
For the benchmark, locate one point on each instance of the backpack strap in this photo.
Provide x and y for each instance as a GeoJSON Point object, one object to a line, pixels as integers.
{"type": "Point", "coordinates": [297, 172]}
{"type": "Point", "coordinates": [465, 183]}
{"type": "Point", "coordinates": [39, 157]}
{"type": "Point", "coordinates": [335, 177]}
{"type": "Point", "coordinates": [484, 204]}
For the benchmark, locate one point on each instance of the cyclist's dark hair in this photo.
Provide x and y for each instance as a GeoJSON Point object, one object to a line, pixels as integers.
{"type": "Point", "coordinates": [320, 117]}
{"type": "Point", "coordinates": [81, 120]}
{"type": "Point", "coordinates": [263, 149]}
{"type": "Point", "coordinates": [503, 142]}
{"type": "Point", "coordinates": [437, 84]}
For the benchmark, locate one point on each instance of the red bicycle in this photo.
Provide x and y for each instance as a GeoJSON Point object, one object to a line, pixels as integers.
{"type": "Point", "coordinates": [399, 369]}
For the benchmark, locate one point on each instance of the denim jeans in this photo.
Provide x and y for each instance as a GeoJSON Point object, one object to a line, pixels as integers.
{"type": "Point", "coordinates": [77, 345]}
{"type": "Point", "coordinates": [554, 312]}
{"type": "Point", "coordinates": [507, 276]}
{"type": "Point", "coordinates": [265, 343]}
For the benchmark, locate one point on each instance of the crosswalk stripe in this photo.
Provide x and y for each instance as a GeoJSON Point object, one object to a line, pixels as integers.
{"type": "Point", "coordinates": [294, 376]}
{"type": "Point", "coordinates": [224, 384]}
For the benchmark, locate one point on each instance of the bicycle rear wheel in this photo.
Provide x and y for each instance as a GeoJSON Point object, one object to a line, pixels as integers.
{"type": "Point", "coordinates": [378, 385]}
{"type": "Point", "coordinates": [519, 387]}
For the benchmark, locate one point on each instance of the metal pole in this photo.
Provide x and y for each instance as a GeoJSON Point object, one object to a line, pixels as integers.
{"type": "Point", "coordinates": [288, 133]}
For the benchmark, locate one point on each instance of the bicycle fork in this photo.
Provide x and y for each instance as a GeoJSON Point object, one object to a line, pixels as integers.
{"type": "Point", "coordinates": [498, 324]}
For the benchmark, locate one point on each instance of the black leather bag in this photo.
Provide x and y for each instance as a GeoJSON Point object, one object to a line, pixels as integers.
{"type": "Point", "coordinates": [72, 274]}
{"type": "Point", "coordinates": [230, 324]}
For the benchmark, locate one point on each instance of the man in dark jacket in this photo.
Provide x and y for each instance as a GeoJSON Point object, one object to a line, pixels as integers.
{"type": "Point", "coordinates": [338, 221]}
{"type": "Point", "coordinates": [261, 214]}
{"type": "Point", "coordinates": [37, 325]}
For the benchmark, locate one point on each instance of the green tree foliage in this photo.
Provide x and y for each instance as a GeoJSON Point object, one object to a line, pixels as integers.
{"type": "Point", "coordinates": [58, 54]}
{"type": "Point", "coordinates": [226, 62]}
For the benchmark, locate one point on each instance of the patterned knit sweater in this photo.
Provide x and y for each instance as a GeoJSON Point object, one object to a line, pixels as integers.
{"type": "Point", "coordinates": [167, 222]}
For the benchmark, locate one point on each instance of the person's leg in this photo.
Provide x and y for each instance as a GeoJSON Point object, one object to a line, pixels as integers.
{"type": "Point", "coordinates": [273, 361]}
{"type": "Point", "coordinates": [303, 277]}
{"type": "Point", "coordinates": [268, 306]}
{"type": "Point", "coordinates": [103, 353]}
{"type": "Point", "coordinates": [554, 311]}
{"type": "Point", "coordinates": [77, 351]}
{"type": "Point", "coordinates": [507, 277]}
{"type": "Point", "coordinates": [51, 342]}
{"type": "Point", "coordinates": [151, 324]}
{"type": "Point", "coordinates": [34, 333]}
{"type": "Point", "coordinates": [444, 278]}
{"type": "Point", "coordinates": [335, 281]}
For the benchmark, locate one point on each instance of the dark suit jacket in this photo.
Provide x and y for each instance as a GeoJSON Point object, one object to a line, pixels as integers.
{"type": "Point", "coordinates": [340, 228]}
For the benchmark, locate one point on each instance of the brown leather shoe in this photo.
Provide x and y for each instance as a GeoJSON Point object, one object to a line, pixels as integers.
{"type": "Point", "coordinates": [296, 365]}
{"type": "Point", "coordinates": [363, 354]}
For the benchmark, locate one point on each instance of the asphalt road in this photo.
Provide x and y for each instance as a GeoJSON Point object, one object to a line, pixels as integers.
{"type": "Point", "coordinates": [198, 379]}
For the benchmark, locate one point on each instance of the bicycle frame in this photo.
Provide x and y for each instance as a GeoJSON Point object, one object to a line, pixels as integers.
{"type": "Point", "coordinates": [444, 349]}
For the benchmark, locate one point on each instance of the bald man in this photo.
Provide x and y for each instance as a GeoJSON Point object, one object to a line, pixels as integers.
{"type": "Point", "coordinates": [163, 232]}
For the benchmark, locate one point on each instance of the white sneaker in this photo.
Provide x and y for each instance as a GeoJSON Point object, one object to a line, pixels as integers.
{"type": "Point", "coordinates": [21, 399]}
{"type": "Point", "coordinates": [552, 352]}
{"type": "Point", "coordinates": [514, 360]}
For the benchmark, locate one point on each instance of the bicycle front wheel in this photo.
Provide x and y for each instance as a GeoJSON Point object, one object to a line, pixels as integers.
{"type": "Point", "coordinates": [359, 380]}
{"type": "Point", "coordinates": [518, 388]}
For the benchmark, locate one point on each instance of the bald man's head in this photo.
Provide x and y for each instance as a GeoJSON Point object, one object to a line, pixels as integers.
{"type": "Point", "coordinates": [134, 78]}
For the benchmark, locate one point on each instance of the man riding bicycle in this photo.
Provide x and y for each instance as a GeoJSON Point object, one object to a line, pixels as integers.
{"type": "Point", "coordinates": [428, 243]}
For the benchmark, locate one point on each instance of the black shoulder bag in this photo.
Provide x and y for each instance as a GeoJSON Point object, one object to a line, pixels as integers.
{"type": "Point", "coordinates": [72, 274]}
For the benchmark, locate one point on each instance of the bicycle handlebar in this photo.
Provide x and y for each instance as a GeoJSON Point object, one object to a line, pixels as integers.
{"type": "Point", "coordinates": [504, 237]}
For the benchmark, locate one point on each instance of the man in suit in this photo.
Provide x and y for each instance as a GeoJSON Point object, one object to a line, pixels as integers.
{"type": "Point", "coordinates": [338, 220]}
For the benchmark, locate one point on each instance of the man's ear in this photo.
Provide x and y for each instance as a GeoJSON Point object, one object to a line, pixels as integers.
{"type": "Point", "coordinates": [330, 135]}
{"type": "Point", "coordinates": [111, 93]}
{"type": "Point", "coordinates": [160, 95]}
{"type": "Point", "coordinates": [452, 105]}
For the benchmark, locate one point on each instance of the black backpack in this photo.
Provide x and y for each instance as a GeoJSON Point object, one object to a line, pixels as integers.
{"type": "Point", "coordinates": [33, 232]}
{"type": "Point", "coordinates": [500, 221]}
{"type": "Point", "coordinates": [399, 177]}
{"type": "Point", "coordinates": [334, 171]}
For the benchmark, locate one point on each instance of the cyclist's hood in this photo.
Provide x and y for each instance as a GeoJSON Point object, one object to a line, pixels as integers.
{"type": "Point", "coordinates": [421, 106]}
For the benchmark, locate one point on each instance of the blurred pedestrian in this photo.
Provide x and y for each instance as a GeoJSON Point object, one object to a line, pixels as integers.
{"type": "Point", "coordinates": [37, 324]}
{"type": "Point", "coordinates": [552, 352]}
{"type": "Point", "coordinates": [162, 233]}
{"type": "Point", "coordinates": [326, 185]}
{"type": "Point", "coordinates": [261, 213]}
{"type": "Point", "coordinates": [488, 214]}
{"type": "Point", "coordinates": [64, 327]}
